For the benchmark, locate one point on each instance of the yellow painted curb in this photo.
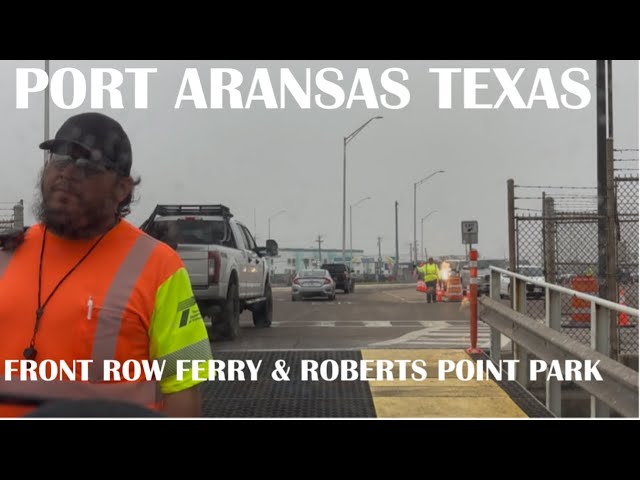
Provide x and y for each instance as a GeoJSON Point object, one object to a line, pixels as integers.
{"type": "Point", "coordinates": [433, 398]}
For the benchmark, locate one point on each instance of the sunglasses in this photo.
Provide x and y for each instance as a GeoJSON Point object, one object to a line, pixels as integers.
{"type": "Point", "coordinates": [86, 167]}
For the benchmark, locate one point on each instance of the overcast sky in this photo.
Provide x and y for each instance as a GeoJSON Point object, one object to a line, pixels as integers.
{"type": "Point", "coordinates": [265, 160]}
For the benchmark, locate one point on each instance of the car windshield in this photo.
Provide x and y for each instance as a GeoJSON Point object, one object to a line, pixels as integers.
{"type": "Point", "coordinates": [312, 273]}
{"type": "Point", "coordinates": [194, 232]}
{"type": "Point", "coordinates": [531, 271]}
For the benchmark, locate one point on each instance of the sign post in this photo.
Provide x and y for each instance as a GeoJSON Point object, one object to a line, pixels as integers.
{"type": "Point", "coordinates": [469, 238]}
{"type": "Point", "coordinates": [473, 301]}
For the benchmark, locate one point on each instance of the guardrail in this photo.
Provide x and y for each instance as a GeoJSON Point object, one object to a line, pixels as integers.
{"type": "Point", "coordinates": [618, 389]}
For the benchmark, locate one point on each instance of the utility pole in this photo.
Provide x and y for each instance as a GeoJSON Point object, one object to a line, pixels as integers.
{"type": "Point", "coordinates": [612, 246]}
{"type": "Point", "coordinates": [601, 150]}
{"type": "Point", "coordinates": [396, 264]}
{"type": "Point", "coordinates": [610, 96]}
{"type": "Point", "coordinates": [379, 269]}
{"type": "Point", "coordinates": [603, 334]}
{"type": "Point", "coordinates": [319, 240]}
{"type": "Point", "coordinates": [511, 227]}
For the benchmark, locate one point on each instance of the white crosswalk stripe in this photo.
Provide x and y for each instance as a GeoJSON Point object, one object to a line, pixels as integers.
{"type": "Point", "coordinates": [429, 333]}
{"type": "Point", "coordinates": [378, 323]}
{"type": "Point", "coordinates": [443, 334]}
{"type": "Point", "coordinates": [452, 337]}
{"type": "Point", "coordinates": [356, 323]}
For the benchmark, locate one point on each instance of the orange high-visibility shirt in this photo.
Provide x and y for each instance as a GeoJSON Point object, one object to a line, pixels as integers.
{"type": "Point", "coordinates": [126, 300]}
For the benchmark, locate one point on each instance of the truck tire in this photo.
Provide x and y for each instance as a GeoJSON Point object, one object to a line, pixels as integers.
{"type": "Point", "coordinates": [227, 325]}
{"type": "Point", "coordinates": [263, 313]}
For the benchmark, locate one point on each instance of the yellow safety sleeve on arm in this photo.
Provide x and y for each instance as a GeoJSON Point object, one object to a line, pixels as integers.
{"type": "Point", "coordinates": [178, 333]}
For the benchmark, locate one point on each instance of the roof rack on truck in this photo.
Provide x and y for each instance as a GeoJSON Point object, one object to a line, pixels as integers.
{"type": "Point", "coordinates": [165, 210]}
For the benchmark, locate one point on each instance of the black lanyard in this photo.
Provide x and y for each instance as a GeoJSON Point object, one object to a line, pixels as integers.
{"type": "Point", "coordinates": [30, 352]}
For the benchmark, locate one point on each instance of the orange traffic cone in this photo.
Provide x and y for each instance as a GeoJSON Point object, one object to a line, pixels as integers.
{"type": "Point", "coordinates": [623, 318]}
{"type": "Point", "coordinates": [439, 293]}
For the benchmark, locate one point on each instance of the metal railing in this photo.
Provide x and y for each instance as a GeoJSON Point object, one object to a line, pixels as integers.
{"type": "Point", "coordinates": [618, 389]}
{"type": "Point", "coordinates": [11, 215]}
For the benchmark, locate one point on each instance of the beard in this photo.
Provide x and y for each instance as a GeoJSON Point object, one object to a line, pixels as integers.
{"type": "Point", "coordinates": [84, 219]}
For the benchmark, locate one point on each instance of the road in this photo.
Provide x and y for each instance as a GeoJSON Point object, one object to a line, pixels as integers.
{"type": "Point", "coordinates": [374, 316]}
{"type": "Point", "coordinates": [382, 316]}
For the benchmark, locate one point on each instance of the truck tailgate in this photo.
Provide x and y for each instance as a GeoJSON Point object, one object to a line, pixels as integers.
{"type": "Point", "coordinates": [196, 261]}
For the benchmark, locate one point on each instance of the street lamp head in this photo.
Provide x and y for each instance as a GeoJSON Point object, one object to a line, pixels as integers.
{"type": "Point", "coordinates": [378, 118]}
{"type": "Point", "coordinates": [420, 182]}
{"type": "Point", "coordinates": [429, 214]}
{"type": "Point", "coordinates": [360, 201]}
{"type": "Point", "coordinates": [277, 213]}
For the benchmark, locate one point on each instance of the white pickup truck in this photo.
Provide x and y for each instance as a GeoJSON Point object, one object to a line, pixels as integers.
{"type": "Point", "coordinates": [229, 273]}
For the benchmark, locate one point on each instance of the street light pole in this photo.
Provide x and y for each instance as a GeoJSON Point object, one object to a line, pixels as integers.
{"type": "Point", "coordinates": [269, 236]}
{"type": "Point", "coordinates": [422, 231]}
{"type": "Point", "coordinates": [269, 222]}
{"type": "Point", "coordinates": [347, 139]}
{"type": "Point", "coordinates": [415, 189]}
{"type": "Point", "coordinates": [350, 234]}
{"type": "Point", "coordinates": [46, 108]}
{"type": "Point", "coordinates": [397, 263]}
{"type": "Point", "coordinates": [351, 226]}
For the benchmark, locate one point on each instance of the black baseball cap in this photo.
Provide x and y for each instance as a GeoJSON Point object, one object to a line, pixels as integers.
{"type": "Point", "coordinates": [102, 136]}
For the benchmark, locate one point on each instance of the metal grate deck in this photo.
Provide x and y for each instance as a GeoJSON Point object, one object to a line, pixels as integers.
{"type": "Point", "coordinates": [267, 398]}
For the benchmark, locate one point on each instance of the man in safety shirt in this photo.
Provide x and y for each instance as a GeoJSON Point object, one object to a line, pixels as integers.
{"type": "Point", "coordinates": [84, 283]}
{"type": "Point", "coordinates": [431, 275]}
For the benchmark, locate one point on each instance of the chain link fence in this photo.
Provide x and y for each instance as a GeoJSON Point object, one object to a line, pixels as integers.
{"type": "Point", "coordinates": [557, 229]}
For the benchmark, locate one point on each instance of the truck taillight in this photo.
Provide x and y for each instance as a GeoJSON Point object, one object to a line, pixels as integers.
{"type": "Point", "coordinates": [296, 281]}
{"type": "Point", "coordinates": [213, 270]}
{"type": "Point", "coordinates": [327, 280]}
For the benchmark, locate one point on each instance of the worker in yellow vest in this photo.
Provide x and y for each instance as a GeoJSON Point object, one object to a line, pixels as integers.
{"type": "Point", "coordinates": [431, 275]}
